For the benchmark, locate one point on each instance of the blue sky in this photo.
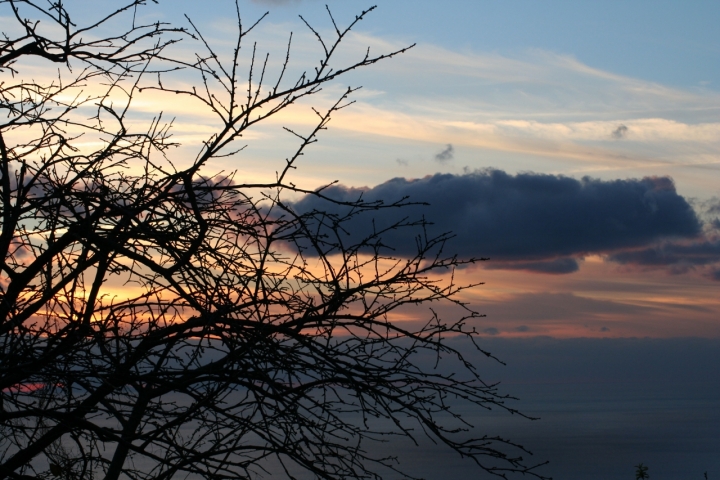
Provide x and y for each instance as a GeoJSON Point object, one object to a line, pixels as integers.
{"type": "Point", "coordinates": [520, 100]}
{"type": "Point", "coordinates": [526, 97]}
{"type": "Point", "coordinates": [669, 42]}
{"type": "Point", "coordinates": [541, 88]}
{"type": "Point", "coordinates": [515, 85]}
{"type": "Point", "coordinates": [612, 91]}
{"type": "Point", "coordinates": [524, 86]}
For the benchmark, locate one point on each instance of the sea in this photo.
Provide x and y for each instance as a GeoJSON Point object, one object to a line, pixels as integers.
{"type": "Point", "coordinates": [604, 406]}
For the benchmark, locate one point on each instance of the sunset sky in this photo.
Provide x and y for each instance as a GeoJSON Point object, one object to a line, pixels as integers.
{"type": "Point", "coordinates": [578, 142]}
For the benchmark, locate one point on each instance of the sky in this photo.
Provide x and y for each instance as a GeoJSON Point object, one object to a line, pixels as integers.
{"type": "Point", "coordinates": [575, 144]}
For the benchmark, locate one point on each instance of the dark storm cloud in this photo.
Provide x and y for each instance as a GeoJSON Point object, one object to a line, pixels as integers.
{"type": "Point", "coordinates": [446, 155]}
{"type": "Point", "coordinates": [527, 221]}
{"type": "Point", "coordinates": [673, 257]}
{"type": "Point", "coordinates": [680, 256]}
{"type": "Point", "coordinates": [620, 132]}
{"type": "Point", "coordinates": [703, 253]}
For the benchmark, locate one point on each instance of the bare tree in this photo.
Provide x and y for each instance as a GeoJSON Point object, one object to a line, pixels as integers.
{"type": "Point", "coordinates": [160, 322]}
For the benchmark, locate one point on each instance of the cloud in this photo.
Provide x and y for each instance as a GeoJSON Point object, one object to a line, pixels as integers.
{"type": "Point", "coordinates": [446, 155]}
{"type": "Point", "coordinates": [538, 309]}
{"type": "Point", "coordinates": [673, 257]}
{"type": "Point", "coordinates": [556, 266]}
{"type": "Point", "coordinates": [702, 253]}
{"type": "Point", "coordinates": [527, 221]}
{"type": "Point", "coordinates": [620, 132]}
{"type": "Point", "coordinates": [491, 331]}
{"type": "Point", "coordinates": [681, 256]}
{"type": "Point", "coordinates": [402, 162]}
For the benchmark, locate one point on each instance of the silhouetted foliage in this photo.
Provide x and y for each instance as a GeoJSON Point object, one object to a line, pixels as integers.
{"type": "Point", "coordinates": [161, 322]}
{"type": "Point", "coordinates": [641, 472]}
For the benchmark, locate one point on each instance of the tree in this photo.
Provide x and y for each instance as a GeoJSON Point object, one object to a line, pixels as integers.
{"type": "Point", "coordinates": [161, 322]}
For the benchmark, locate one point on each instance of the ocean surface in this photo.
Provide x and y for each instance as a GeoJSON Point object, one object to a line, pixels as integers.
{"type": "Point", "coordinates": [605, 405]}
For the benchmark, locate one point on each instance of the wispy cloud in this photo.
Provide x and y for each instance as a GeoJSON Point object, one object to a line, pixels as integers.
{"type": "Point", "coordinates": [620, 132]}
{"type": "Point", "coordinates": [550, 106]}
{"type": "Point", "coordinates": [447, 154]}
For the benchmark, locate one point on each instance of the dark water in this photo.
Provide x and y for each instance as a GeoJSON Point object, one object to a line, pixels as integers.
{"type": "Point", "coordinates": [605, 406]}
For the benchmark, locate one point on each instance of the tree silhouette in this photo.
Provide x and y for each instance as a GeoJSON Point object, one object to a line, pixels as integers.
{"type": "Point", "coordinates": [158, 321]}
{"type": "Point", "coordinates": [641, 472]}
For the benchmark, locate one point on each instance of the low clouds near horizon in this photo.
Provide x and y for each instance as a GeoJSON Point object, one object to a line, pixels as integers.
{"type": "Point", "coordinates": [675, 257]}
{"type": "Point", "coordinates": [538, 222]}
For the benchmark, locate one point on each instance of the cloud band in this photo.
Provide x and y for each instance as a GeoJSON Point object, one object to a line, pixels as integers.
{"type": "Point", "coordinates": [526, 221]}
